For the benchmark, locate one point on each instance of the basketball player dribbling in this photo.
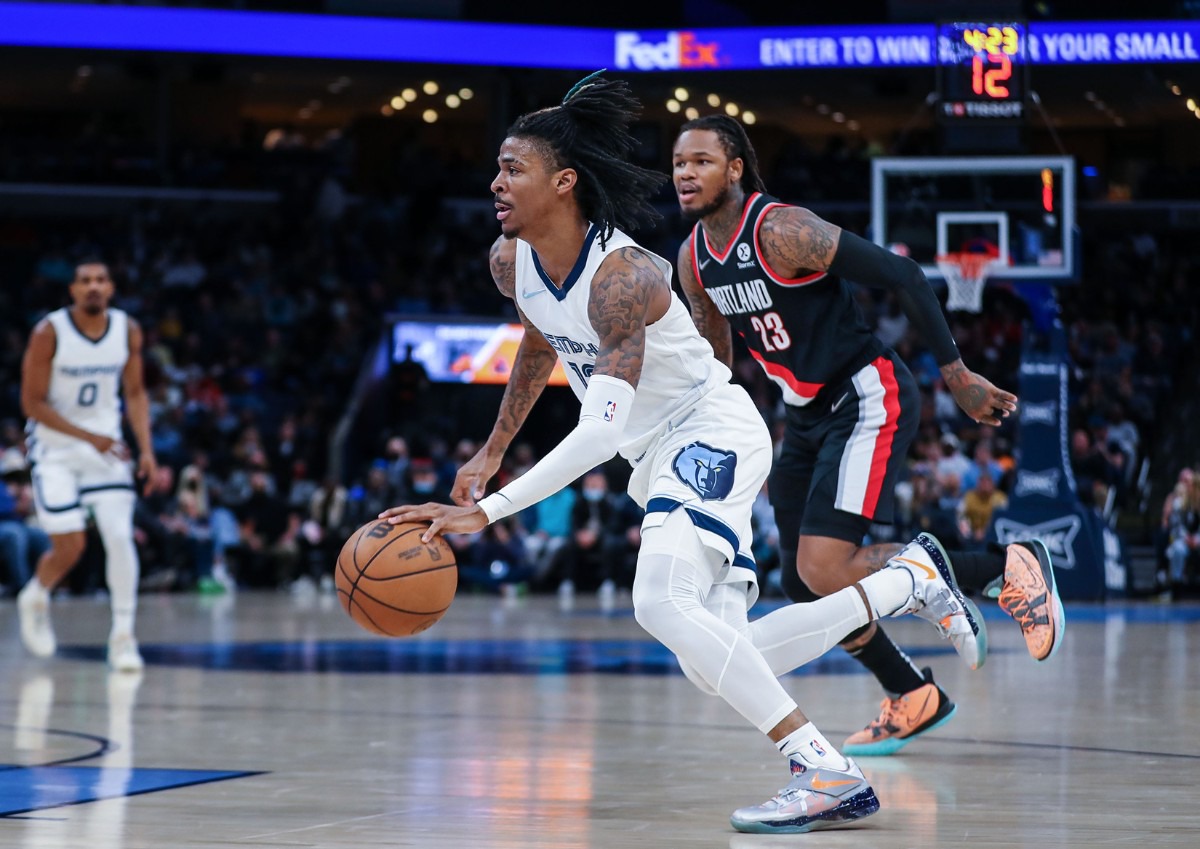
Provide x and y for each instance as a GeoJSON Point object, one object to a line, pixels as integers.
{"type": "Point", "coordinates": [776, 274]}
{"type": "Point", "coordinates": [651, 390]}
{"type": "Point", "coordinates": [78, 362]}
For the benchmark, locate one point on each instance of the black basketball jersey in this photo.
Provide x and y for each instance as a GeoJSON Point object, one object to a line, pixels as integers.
{"type": "Point", "coordinates": [806, 333]}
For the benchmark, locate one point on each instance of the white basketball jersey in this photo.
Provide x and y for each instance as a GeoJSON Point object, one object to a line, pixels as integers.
{"type": "Point", "coordinates": [679, 367]}
{"type": "Point", "coordinates": [85, 378]}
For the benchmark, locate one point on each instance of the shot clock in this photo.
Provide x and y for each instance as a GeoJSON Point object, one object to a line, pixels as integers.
{"type": "Point", "coordinates": [982, 72]}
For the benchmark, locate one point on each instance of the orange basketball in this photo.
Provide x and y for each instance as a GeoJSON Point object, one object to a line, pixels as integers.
{"type": "Point", "coordinates": [393, 584]}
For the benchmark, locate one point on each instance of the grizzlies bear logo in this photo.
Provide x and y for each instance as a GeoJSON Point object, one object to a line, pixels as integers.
{"type": "Point", "coordinates": [707, 470]}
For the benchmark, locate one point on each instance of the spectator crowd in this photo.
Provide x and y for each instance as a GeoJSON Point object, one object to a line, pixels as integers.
{"type": "Point", "coordinates": [259, 324]}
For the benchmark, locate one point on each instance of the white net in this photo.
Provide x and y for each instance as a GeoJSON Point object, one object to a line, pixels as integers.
{"type": "Point", "coordinates": [966, 274]}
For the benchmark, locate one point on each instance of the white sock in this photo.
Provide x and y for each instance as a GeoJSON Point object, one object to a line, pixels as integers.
{"type": "Point", "coordinates": [122, 622]}
{"type": "Point", "coordinates": [810, 745]}
{"type": "Point", "coordinates": [34, 589]}
{"type": "Point", "coordinates": [888, 590]}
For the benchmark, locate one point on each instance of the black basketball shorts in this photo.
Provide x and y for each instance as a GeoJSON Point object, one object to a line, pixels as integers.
{"type": "Point", "coordinates": [843, 454]}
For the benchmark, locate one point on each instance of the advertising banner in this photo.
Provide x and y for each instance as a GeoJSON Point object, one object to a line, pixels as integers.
{"type": "Point", "coordinates": [1088, 556]}
{"type": "Point", "coordinates": [115, 27]}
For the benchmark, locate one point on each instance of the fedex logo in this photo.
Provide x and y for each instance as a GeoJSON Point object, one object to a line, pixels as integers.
{"type": "Point", "coordinates": [680, 50]}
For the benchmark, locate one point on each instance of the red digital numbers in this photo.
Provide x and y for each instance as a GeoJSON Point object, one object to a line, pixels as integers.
{"type": "Point", "coordinates": [989, 82]}
{"type": "Point", "coordinates": [991, 66]}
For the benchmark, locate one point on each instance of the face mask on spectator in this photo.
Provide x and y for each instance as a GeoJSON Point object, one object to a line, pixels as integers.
{"type": "Point", "coordinates": [593, 495]}
{"type": "Point", "coordinates": [424, 487]}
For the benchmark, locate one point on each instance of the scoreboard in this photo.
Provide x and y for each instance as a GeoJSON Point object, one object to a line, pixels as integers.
{"type": "Point", "coordinates": [982, 72]}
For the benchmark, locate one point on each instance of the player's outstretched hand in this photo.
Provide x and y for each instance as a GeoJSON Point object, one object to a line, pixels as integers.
{"type": "Point", "coordinates": [978, 397]}
{"type": "Point", "coordinates": [473, 476]}
{"type": "Point", "coordinates": [442, 518]}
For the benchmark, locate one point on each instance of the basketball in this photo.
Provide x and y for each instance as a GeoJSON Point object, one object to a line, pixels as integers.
{"type": "Point", "coordinates": [392, 583]}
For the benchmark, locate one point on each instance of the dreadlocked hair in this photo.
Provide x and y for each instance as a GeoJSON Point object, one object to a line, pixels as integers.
{"type": "Point", "coordinates": [589, 132]}
{"type": "Point", "coordinates": [736, 145]}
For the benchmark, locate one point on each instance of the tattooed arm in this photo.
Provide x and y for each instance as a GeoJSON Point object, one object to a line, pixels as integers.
{"type": "Point", "coordinates": [795, 241]}
{"type": "Point", "coordinates": [628, 292]}
{"type": "Point", "coordinates": [532, 366]}
{"type": "Point", "coordinates": [977, 396]}
{"type": "Point", "coordinates": [708, 319]}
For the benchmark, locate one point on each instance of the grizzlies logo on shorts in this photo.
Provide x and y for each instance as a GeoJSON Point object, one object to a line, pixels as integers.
{"type": "Point", "coordinates": [706, 470]}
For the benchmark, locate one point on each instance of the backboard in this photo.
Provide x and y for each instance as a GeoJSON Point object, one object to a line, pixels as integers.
{"type": "Point", "coordinates": [1020, 208]}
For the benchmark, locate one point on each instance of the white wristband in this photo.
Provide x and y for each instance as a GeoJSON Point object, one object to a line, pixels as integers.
{"type": "Point", "coordinates": [594, 440]}
{"type": "Point", "coordinates": [496, 507]}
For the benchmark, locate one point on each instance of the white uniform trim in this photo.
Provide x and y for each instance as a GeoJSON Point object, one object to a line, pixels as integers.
{"type": "Point", "coordinates": [854, 475]}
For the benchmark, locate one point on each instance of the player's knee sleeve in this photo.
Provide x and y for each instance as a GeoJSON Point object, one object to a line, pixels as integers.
{"type": "Point", "coordinates": [674, 573]}
{"type": "Point", "coordinates": [659, 605]}
{"type": "Point", "coordinates": [114, 521]}
{"type": "Point", "coordinates": [114, 518]}
{"type": "Point", "coordinates": [674, 580]}
{"type": "Point", "coordinates": [693, 675]}
{"type": "Point", "coordinates": [730, 604]}
{"type": "Point", "coordinates": [727, 602]}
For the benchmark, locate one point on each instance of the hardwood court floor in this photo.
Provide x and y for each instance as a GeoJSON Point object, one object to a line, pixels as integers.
{"type": "Point", "coordinates": [271, 721]}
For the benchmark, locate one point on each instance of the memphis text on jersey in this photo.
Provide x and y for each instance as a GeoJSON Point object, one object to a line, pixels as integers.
{"type": "Point", "coordinates": [89, 371]}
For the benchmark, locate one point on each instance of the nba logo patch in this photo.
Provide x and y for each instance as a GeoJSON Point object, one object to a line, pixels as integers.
{"type": "Point", "coordinates": [610, 410]}
{"type": "Point", "coordinates": [817, 748]}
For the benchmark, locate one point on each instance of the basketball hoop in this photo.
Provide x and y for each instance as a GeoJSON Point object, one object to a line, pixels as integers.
{"type": "Point", "coordinates": [966, 274]}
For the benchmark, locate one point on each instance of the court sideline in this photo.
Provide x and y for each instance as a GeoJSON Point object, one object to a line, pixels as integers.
{"type": "Point", "coordinates": [271, 720]}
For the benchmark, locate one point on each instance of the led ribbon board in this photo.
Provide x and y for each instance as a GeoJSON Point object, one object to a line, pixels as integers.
{"type": "Point", "coordinates": [61, 25]}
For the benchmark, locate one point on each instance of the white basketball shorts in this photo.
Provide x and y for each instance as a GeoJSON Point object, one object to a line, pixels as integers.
{"type": "Point", "coordinates": [711, 463]}
{"type": "Point", "coordinates": [66, 479]}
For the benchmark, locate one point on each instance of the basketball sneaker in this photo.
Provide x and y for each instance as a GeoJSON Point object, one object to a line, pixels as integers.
{"type": "Point", "coordinates": [123, 654]}
{"type": "Point", "coordinates": [816, 797]}
{"type": "Point", "coordinates": [937, 599]}
{"type": "Point", "coordinates": [903, 719]}
{"type": "Point", "coordinates": [33, 609]}
{"type": "Point", "coordinates": [1029, 595]}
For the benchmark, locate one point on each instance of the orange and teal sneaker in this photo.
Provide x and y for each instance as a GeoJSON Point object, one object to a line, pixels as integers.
{"type": "Point", "coordinates": [1030, 596]}
{"type": "Point", "coordinates": [903, 719]}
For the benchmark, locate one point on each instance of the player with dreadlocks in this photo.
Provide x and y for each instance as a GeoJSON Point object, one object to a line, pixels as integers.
{"type": "Point", "coordinates": [776, 274]}
{"type": "Point", "coordinates": [651, 389]}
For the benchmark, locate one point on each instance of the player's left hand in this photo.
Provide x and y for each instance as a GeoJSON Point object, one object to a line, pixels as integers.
{"type": "Point", "coordinates": [978, 397]}
{"type": "Point", "coordinates": [147, 472]}
{"type": "Point", "coordinates": [443, 518]}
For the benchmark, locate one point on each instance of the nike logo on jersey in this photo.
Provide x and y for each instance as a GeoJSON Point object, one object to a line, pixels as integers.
{"type": "Point", "coordinates": [704, 262]}
{"type": "Point", "coordinates": [834, 406]}
{"type": "Point", "coordinates": [529, 293]}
